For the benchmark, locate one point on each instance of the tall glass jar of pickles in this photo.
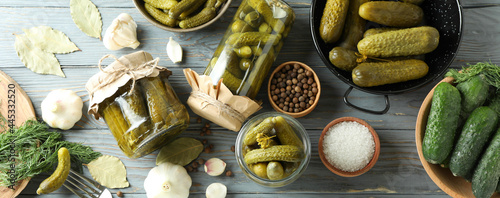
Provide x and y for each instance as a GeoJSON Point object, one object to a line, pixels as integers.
{"type": "Point", "coordinates": [250, 45]}
{"type": "Point", "coordinates": [144, 119]}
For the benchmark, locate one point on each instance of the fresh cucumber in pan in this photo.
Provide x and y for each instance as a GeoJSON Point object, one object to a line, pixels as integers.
{"type": "Point", "coordinates": [442, 123]}
{"type": "Point", "coordinates": [475, 134]}
{"type": "Point", "coordinates": [487, 172]}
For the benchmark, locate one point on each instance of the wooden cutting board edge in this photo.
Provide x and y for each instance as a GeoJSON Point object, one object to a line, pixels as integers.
{"type": "Point", "coordinates": [23, 111]}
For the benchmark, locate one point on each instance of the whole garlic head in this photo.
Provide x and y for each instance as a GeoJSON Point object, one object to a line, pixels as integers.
{"type": "Point", "coordinates": [121, 33]}
{"type": "Point", "coordinates": [62, 109]}
{"type": "Point", "coordinates": [167, 180]}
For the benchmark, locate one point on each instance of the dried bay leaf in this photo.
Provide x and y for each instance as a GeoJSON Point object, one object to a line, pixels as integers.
{"type": "Point", "coordinates": [87, 17]}
{"type": "Point", "coordinates": [50, 40]}
{"type": "Point", "coordinates": [109, 171]}
{"type": "Point", "coordinates": [181, 151]}
{"type": "Point", "coordinates": [36, 59]}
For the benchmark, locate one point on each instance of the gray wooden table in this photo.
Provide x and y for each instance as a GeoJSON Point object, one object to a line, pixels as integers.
{"type": "Point", "coordinates": [398, 172]}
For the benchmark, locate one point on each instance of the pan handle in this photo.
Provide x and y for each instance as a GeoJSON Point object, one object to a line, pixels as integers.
{"type": "Point", "coordinates": [346, 101]}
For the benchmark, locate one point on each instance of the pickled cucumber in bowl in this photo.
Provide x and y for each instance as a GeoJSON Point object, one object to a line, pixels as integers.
{"type": "Point", "coordinates": [272, 149]}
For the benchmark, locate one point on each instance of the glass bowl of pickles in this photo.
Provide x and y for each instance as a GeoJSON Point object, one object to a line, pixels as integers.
{"type": "Point", "coordinates": [273, 149]}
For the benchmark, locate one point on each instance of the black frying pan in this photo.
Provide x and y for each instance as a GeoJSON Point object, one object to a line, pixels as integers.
{"type": "Point", "coordinates": [444, 15]}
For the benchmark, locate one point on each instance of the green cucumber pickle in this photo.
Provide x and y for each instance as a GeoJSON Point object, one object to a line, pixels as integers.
{"type": "Point", "coordinates": [442, 123]}
{"type": "Point", "coordinates": [255, 35]}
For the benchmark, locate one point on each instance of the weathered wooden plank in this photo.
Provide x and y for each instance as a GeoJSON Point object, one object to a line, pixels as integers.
{"type": "Point", "coordinates": [479, 42]}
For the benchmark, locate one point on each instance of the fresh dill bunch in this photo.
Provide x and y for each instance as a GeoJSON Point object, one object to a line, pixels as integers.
{"type": "Point", "coordinates": [34, 149]}
{"type": "Point", "coordinates": [490, 73]}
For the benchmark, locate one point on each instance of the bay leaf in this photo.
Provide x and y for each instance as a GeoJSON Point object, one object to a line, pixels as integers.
{"type": "Point", "coordinates": [36, 59]}
{"type": "Point", "coordinates": [109, 171]}
{"type": "Point", "coordinates": [180, 151]}
{"type": "Point", "coordinates": [87, 17]}
{"type": "Point", "coordinates": [50, 40]}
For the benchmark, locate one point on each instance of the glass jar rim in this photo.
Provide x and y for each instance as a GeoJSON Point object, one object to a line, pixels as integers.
{"type": "Point", "coordinates": [298, 128]}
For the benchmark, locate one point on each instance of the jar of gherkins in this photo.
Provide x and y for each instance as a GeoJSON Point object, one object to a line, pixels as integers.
{"type": "Point", "coordinates": [250, 45]}
{"type": "Point", "coordinates": [140, 107]}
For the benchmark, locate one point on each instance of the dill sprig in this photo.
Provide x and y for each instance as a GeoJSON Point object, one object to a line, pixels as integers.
{"type": "Point", "coordinates": [490, 73]}
{"type": "Point", "coordinates": [34, 149]}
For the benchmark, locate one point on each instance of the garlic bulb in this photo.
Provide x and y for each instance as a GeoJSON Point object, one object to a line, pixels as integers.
{"type": "Point", "coordinates": [174, 50]}
{"type": "Point", "coordinates": [121, 33]}
{"type": "Point", "coordinates": [62, 109]}
{"type": "Point", "coordinates": [167, 180]}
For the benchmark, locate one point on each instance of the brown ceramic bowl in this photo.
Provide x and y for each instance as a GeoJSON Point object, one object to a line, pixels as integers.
{"type": "Point", "coordinates": [139, 4]}
{"type": "Point", "coordinates": [454, 186]}
{"type": "Point", "coordinates": [341, 172]}
{"type": "Point", "coordinates": [304, 112]}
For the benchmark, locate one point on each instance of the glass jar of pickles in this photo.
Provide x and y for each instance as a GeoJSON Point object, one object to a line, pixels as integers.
{"type": "Point", "coordinates": [138, 104]}
{"type": "Point", "coordinates": [250, 45]}
{"type": "Point", "coordinates": [150, 116]}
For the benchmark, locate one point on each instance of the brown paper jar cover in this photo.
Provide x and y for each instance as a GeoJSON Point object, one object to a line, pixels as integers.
{"type": "Point", "coordinates": [217, 103]}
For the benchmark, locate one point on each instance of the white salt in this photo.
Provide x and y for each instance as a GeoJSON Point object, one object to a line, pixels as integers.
{"type": "Point", "coordinates": [348, 145]}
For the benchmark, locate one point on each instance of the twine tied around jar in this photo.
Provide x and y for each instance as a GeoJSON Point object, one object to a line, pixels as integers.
{"type": "Point", "coordinates": [221, 107]}
{"type": "Point", "coordinates": [122, 70]}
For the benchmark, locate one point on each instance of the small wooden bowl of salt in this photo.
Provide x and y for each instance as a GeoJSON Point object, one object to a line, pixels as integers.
{"type": "Point", "coordinates": [349, 146]}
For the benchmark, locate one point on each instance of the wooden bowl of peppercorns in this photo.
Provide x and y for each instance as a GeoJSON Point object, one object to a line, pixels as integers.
{"type": "Point", "coordinates": [293, 89]}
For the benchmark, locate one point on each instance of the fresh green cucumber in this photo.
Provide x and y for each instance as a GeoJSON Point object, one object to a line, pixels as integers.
{"type": "Point", "coordinates": [442, 123]}
{"type": "Point", "coordinates": [495, 102]}
{"type": "Point", "coordinates": [475, 134]}
{"type": "Point", "coordinates": [487, 172]}
{"type": "Point", "coordinates": [498, 186]}
{"type": "Point", "coordinates": [474, 92]}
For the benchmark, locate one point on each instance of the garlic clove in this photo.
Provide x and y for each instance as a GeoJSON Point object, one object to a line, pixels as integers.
{"type": "Point", "coordinates": [215, 166]}
{"type": "Point", "coordinates": [216, 190]}
{"type": "Point", "coordinates": [121, 33]}
{"type": "Point", "coordinates": [174, 50]}
{"type": "Point", "coordinates": [278, 12]}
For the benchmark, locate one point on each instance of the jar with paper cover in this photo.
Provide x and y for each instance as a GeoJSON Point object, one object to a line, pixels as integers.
{"type": "Point", "coordinates": [140, 107]}
{"type": "Point", "coordinates": [250, 45]}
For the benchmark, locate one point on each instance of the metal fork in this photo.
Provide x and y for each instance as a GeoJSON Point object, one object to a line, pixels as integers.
{"type": "Point", "coordinates": [81, 182]}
